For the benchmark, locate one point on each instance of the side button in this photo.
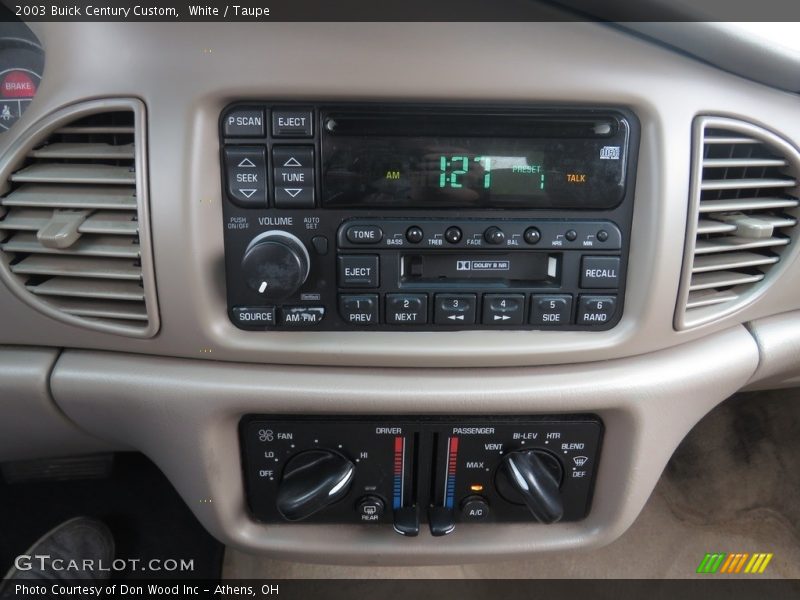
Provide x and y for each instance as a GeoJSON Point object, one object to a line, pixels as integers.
{"type": "Point", "coordinates": [551, 310]}
{"type": "Point", "coordinates": [254, 317]}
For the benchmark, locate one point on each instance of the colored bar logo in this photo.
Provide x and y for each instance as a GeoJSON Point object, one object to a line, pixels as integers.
{"type": "Point", "coordinates": [450, 480]}
{"type": "Point", "coordinates": [734, 562]}
{"type": "Point", "coordinates": [399, 470]}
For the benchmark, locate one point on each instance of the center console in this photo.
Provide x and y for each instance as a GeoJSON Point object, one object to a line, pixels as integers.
{"type": "Point", "coordinates": [426, 217]}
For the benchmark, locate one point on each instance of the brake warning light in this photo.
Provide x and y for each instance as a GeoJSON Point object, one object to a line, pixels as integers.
{"type": "Point", "coordinates": [17, 84]}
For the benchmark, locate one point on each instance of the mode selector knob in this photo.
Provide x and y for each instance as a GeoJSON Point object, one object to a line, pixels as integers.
{"type": "Point", "coordinates": [311, 481]}
{"type": "Point", "coordinates": [275, 264]}
{"type": "Point", "coordinates": [532, 478]}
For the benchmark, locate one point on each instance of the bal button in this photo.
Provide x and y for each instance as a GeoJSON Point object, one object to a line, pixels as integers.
{"type": "Point", "coordinates": [532, 235]}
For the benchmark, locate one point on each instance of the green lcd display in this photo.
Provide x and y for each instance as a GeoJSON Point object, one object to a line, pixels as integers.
{"type": "Point", "coordinates": [387, 161]}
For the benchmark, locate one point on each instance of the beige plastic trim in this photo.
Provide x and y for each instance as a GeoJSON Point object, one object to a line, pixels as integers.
{"type": "Point", "coordinates": [16, 153]}
{"type": "Point", "coordinates": [31, 425]}
{"type": "Point", "coordinates": [184, 414]}
{"type": "Point", "coordinates": [702, 315]}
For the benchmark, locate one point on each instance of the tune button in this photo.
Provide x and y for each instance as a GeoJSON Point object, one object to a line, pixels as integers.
{"type": "Point", "coordinates": [414, 234]}
{"type": "Point", "coordinates": [453, 235]}
{"type": "Point", "coordinates": [494, 235]}
{"type": "Point", "coordinates": [533, 235]}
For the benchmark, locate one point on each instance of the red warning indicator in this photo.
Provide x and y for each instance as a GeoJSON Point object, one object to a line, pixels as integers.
{"type": "Point", "coordinates": [17, 84]}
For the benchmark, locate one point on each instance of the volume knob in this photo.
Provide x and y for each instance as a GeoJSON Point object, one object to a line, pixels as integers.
{"type": "Point", "coordinates": [275, 264]}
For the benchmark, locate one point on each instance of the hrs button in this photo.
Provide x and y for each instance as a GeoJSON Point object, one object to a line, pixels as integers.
{"type": "Point", "coordinates": [551, 310]}
{"type": "Point", "coordinates": [359, 309]}
{"type": "Point", "coordinates": [406, 309]}
{"type": "Point", "coordinates": [359, 271]}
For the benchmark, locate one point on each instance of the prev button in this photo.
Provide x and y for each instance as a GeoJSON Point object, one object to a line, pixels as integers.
{"type": "Point", "coordinates": [358, 270]}
{"type": "Point", "coordinates": [359, 309]}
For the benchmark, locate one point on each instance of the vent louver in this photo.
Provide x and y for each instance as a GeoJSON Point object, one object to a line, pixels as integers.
{"type": "Point", "coordinates": [743, 210]}
{"type": "Point", "coordinates": [74, 219]}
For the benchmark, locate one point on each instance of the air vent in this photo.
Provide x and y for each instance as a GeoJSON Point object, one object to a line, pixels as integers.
{"type": "Point", "coordinates": [743, 212]}
{"type": "Point", "coordinates": [74, 219]}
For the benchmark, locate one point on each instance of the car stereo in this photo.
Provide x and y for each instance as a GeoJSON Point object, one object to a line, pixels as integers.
{"type": "Point", "coordinates": [419, 217]}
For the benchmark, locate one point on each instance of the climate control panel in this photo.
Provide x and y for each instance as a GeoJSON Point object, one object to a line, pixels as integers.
{"type": "Point", "coordinates": [407, 472]}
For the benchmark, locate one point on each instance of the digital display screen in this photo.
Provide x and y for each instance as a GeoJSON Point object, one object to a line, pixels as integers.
{"type": "Point", "coordinates": [388, 171]}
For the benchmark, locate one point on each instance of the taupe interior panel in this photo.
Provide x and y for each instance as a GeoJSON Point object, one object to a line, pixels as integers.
{"type": "Point", "coordinates": [183, 414]}
{"type": "Point", "coordinates": [31, 425]}
{"type": "Point", "coordinates": [186, 73]}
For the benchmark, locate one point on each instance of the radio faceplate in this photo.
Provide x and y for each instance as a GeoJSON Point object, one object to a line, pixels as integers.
{"type": "Point", "coordinates": [295, 260]}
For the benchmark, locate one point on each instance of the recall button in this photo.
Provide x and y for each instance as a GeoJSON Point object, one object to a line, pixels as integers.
{"type": "Point", "coordinates": [358, 270]}
{"type": "Point", "coordinates": [364, 234]}
{"type": "Point", "coordinates": [254, 317]}
{"type": "Point", "coordinates": [600, 272]}
{"type": "Point", "coordinates": [406, 309]}
{"type": "Point", "coordinates": [292, 123]}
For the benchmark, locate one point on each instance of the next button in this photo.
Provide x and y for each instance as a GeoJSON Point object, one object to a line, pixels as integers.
{"type": "Point", "coordinates": [600, 272]}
